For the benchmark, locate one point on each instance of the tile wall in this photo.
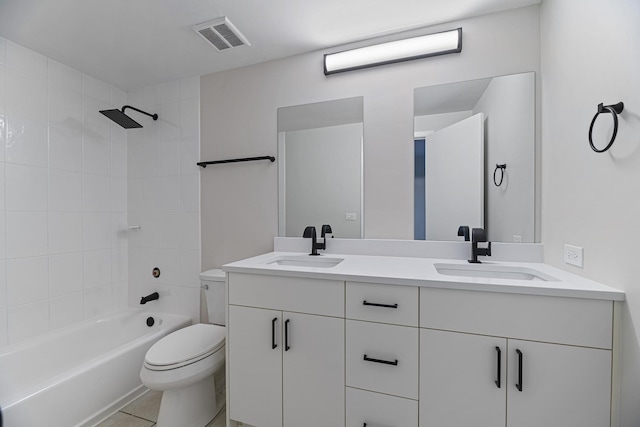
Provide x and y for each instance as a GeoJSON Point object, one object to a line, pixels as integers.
{"type": "Point", "coordinates": [164, 197]}
{"type": "Point", "coordinates": [63, 196]}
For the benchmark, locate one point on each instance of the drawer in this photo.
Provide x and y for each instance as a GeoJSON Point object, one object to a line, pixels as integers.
{"type": "Point", "coordinates": [313, 296]}
{"type": "Point", "coordinates": [573, 321]}
{"type": "Point", "coordinates": [391, 364]}
{"type": "Point", "coordinates": [377, 410]}
{"type": "Point", "coordinates": [374, 302]}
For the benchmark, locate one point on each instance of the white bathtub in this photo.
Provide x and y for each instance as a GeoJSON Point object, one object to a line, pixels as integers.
{"type": "Point", "coordinates": [78, 375]}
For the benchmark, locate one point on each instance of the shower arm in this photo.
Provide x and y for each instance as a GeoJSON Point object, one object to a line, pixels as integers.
{"type": "Point", "coordinates": [153, 116]}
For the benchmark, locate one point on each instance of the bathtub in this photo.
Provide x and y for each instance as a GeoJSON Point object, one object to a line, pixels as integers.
{"type": "Point", "coordinates": [78, 375]}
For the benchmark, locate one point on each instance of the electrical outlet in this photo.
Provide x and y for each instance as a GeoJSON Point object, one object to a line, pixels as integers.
{"type": "Point", "coordinates": [351, 216]}
{"type": "Point", "coordinates": [517, 239]}
{"type": "Point", "coordinates": [574, 255]}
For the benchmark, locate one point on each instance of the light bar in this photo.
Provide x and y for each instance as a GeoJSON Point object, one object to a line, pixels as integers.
{"type": "Point", "coordinates": [396, 51]}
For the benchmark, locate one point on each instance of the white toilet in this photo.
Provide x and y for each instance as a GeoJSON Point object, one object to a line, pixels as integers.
{"type": "Point", "coordinates": [188, 365]}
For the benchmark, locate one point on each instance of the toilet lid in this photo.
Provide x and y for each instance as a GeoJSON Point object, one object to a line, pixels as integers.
{"type": "Point", "coordinates": [186, 344]}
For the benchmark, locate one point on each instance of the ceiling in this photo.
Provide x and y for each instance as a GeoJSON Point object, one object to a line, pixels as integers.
{"type": "Point", "coordinates": [137, 43]}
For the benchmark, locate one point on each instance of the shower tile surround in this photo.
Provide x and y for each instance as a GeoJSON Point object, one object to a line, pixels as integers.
{"type": "Point", "coordinates": [71, 182]}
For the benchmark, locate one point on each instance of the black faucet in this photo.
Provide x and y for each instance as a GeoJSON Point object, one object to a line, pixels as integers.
{"type": "Point", "coordinates": [479, 235]}
{"type": "Point", "coordinates": [463, 230]}
{"type": "Point", "coordinates": [310, 232]}
{"type": "Point", "coordinates": [150, 297]}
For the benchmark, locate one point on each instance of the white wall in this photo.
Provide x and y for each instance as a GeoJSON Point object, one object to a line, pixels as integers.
{"type": "Point", "coordinates": [323, 179]}
{"type": "Point", "coordinates": [164, 197]}
{"type": "Point", "coordinates": [590, 54]}
{"type": "Point", "coordinates": [508, 104]}
{"type": "Point", "coordinates": [63, 196]}
{"type": "Point", "coordinates": [434, 122]}
{"type": "Point", "coordinates": [239, 202]}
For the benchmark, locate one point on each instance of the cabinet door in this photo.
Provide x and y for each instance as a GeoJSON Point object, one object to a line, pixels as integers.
{"type": "Point", "coordinates": [313, 365]}
{"type": "Point", "coordinates": [255, 367]}
{"type": "Point", "coordinates": [561, 385]}
{"type": "Point", "coordinates": [462, 379]}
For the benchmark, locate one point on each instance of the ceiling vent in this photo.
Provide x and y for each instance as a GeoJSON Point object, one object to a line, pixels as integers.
{"type": "Point", "coordinates": [221, 34]}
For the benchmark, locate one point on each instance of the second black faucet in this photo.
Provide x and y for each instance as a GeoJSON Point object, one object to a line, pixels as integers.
{"type": "Point", "coordinates": [310, 233]}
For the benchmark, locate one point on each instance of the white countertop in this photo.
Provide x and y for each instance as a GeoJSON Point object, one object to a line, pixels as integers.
{"type": "Point", "coordinates": [411, 271]}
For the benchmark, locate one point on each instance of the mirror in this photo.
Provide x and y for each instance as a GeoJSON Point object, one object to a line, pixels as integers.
{"type": "Point", "coordinates": [320, 167]}
{"type": "Point", "coordinates": [475, 158]}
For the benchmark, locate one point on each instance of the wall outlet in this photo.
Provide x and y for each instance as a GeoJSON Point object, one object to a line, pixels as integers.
{"type": "Point", "coordinates": [574, 255]}
{"type": "Point", "coordinates": [351, 216]}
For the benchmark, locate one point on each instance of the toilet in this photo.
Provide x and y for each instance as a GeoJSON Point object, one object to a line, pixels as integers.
{"type": "Point", "coordinates": [188, 365]}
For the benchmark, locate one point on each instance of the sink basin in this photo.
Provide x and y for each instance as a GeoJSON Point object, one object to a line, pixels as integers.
{"type": "Point", "coordinates": [491, 271]}
{"type": "Point", "coordinates": [307, 261]}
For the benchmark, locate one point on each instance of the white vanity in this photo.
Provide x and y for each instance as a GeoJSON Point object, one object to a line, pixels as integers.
{"type": "Point", "coordinates": [380, 341]}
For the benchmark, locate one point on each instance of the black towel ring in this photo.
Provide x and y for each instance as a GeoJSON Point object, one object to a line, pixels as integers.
{"type": "Point", "coordinates": [614, 109]}
{"type": "Point", "coordinates": [502, 168]}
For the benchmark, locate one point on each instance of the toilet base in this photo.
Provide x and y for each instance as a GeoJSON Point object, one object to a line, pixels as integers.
{"type": "Point", "coordinates": [191, 406]}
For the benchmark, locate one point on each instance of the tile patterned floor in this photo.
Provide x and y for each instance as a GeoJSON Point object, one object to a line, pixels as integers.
{"type": "Point", "coordinates": [143, 412]}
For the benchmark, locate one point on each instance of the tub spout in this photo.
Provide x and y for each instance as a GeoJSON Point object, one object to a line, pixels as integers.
{"type": "Point", "coordinates": [150, 297]}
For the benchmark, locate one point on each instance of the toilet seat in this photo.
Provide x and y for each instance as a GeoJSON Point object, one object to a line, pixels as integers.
{"type": "Point", "coordinates": [185, 346]}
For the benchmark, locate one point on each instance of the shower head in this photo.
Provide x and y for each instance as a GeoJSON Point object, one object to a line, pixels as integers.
{"type": "Point", "coordinates": [123, 120]}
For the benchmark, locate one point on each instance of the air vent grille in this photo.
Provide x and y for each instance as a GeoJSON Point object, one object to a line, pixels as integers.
{"type": "Point", "coordinates": [221, 34]}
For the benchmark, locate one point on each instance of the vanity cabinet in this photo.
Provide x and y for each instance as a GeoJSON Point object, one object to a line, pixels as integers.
{"type": "Point", "coordinates": [286, 351]}
{"type": "Point", "coordinates": [520, 361]}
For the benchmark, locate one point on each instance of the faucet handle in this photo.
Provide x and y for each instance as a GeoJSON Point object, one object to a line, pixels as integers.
{"type": "Point", "coordinates": [463, 230]}
{"type": "Point", "coordinates": [326, 229]}
{"type": "Point", "coordinates": [309, 232]}
{"type": "Point", "coordinates": [478, 235]}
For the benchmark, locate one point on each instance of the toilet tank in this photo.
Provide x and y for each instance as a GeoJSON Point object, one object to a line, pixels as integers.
{"type": "Point", "coordinates": [213, 295]}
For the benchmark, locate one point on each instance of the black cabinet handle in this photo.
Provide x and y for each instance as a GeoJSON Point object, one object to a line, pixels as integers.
{"type": "Point", "coordinates": [380, 305]}
{"type": "Point", "coordinates": [519, 385]}
{"type": "Point", "coordinates": [385, 362]}
{"type": "Point", "coordinates": [286, 335]}
{"type": "Point", "coordinates": [273, 333]}
{"type": "Point", "coordinates": [499, 365]}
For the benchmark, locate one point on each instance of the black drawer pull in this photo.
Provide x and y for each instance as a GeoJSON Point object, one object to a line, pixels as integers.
{"type": "Point", "coordinates": [380, 305]}
{"type": "Point", "coordinates": [273, 333]}
{"type": "Point", "coordinates": [519, 385]}
{"type": "Point", "coordinates": [286, 335]}
{"type": "Point", "coordinates": [385, 362]}
{"type": "Point", "coordinates": [499, 365]}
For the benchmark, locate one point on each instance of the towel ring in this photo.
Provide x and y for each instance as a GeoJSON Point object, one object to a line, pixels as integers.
{"type": "Point", "coordinates": [614, 109]}
{"type": "Point", "coordinates": [502, 168]}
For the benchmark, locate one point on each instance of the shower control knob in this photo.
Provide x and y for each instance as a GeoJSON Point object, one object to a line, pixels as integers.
{"type": "Point", "coordinates": [156, 272]}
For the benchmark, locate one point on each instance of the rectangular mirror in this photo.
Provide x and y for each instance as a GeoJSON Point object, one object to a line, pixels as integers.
{"type": "Point", "coordinates": [475, 158]}
{"type": "Point", "coordinates": [320, 167]}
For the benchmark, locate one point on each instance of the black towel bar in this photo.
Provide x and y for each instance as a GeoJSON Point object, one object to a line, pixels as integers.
{"type": "Point", "coordinates": [245, 159]}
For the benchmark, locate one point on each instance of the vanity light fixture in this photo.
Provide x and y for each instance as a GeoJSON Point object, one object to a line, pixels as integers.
{"type": "Point", "coordinates": [395, 51]}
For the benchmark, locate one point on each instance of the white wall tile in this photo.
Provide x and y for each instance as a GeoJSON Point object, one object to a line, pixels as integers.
{"type": "Point", "coordinates": [190, 193]}
{"type": "Point", "coordinates": [190, 117]}
{"type": "Point", "coordinates": [26, 142]}
{"type": "Point", "coordinates": [190, 231]}
{"type": "Point", "coordinates": [168, 123]}
{"type": "Point", "coordinates": [26, 234]}
{"type": "Point", "coordinates": [3, 91]}
{"type": "Point", "coordinates": [26, 96]}
{"type": "Point", "coordinates": [65, 232]}
{"type": "Point", "coordinates": [151, 160]}
{"type": "Point", "coordinates": [4, 338]}
{"type": "Point", "coordinates": [65, 191]}
{"type": "Point", "coordinates": [118, 159]}
{"type": "Point", "coordinates": [64, 76]}
{"type": "Point", "coordinates": [3, 49]}
{"type": "Point", "coordinates": [119, 265]}
{"type": "Point", "coordinates": [65, 274]}
{"type": "Point", "coordinates": [66, 310]}
{"type": "Point", "coordinates": [190, 88]}
{"type": "Point", "coordinates": [151, 96]}
{"type": "Point", "coordinates": [98, 302]}
{"type": "Point", "coordinates": [95, 125]}
{"type": "Point", "coordinates": [119, 134]}
{"type": "Point", "coordinates": [27, 321]}
{"type": "Point", "coordinates": [96, 89]}
{"type": "Point", "coordinates": [96, 191]}
{"type": "Point", "coordinates": [96, 268]}
{"type": "Point", "coordinates": [190, 268]}
{"type": "Point", "coordinates": [135, 195]}
{"type": "Point", "coordinates": [96, 155]}
{"type": "Point", "coordinates": [2, 186]}
{"type": "Point", "coordinates": [135, 155]}
{"type": "Point", "coordinates": [171, 228]}
{"type": "Point", "coordinates": [152, 197]}
{"type": "Point", "coordinates": [118, 97]}
{"type": "Point", "coordinates": [169, 92]}
{"type": "Point", "coordinates": [96, 231]}
{"type": "Point", "coordinates": [118, 194]}
{"type": "Point", "coordinates": [26, 60]}
{"type": "Point", "coordinates": [27, 280]}
{"type": "Point", "coordinates": [120, 294]}
{"type": "Point", "coordinates": [170, 193]}
{"type": "Point", "coordinates": [119, 230]}
{"type": "Point", "coordinates": [65, 107]}
{"type": "Point", "coordinates": [169, 264]}
{"type": "Point", "coordinates": [189, 155]}
{"type": "Point", "coordinates": [3, 236]}
{"type": "Point", "coordinates": [169, 157]}
{"type": "Point", "coordinates": [65, 147]}
{"type": "Point", "coordinates": [26, 188]}
{"type": "Point", "coordinates": [136, 98]}
{"type": "Point", "coordinates": [3, 284]}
